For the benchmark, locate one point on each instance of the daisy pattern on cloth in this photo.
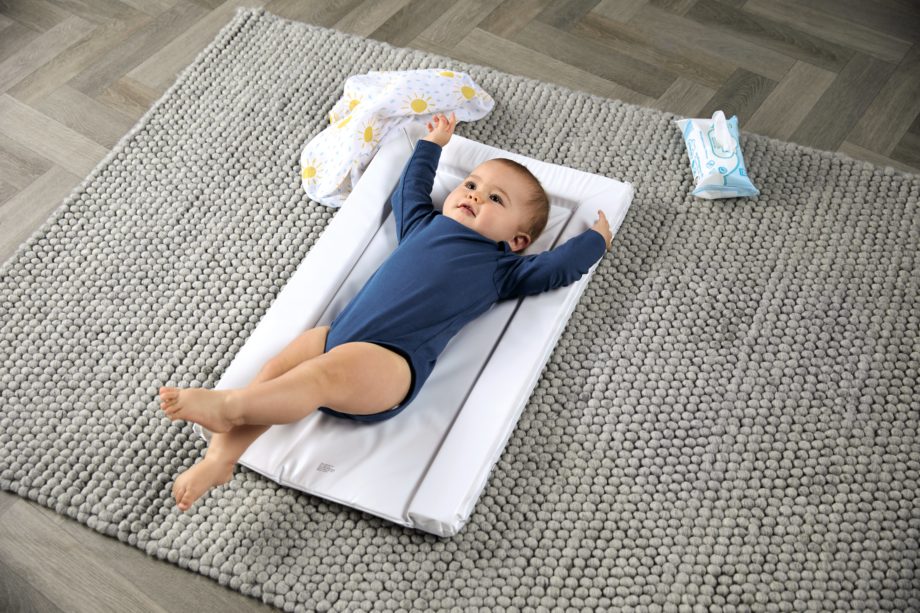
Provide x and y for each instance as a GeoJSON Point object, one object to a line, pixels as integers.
{"type": "Point", "coordinates": [372, 105]}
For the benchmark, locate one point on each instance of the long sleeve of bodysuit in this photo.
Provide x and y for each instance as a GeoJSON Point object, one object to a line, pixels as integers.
{"type": "Point", "coordinates": [532, 274]}
{"type": "Point", "coordinates": [411, 199]}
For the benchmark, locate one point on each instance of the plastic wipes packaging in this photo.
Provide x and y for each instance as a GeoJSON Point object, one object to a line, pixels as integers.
{"type": "Point", "coordinates": [715, 157]}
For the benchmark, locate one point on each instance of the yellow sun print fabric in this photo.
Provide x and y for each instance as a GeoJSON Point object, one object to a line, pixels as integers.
{"type": "Point", "coordinates": [371, 106]}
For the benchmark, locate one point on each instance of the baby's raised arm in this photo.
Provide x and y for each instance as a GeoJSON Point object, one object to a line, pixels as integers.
{"type": "Point", "coordinates": [440, 129]}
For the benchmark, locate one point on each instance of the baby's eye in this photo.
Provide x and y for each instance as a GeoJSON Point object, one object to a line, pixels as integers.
{"type": "Point", "coordinates": [496, 198]}
{"type": "Point", "coordinates": [470, 185]}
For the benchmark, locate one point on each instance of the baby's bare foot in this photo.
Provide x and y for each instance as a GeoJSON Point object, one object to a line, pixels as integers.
{"type": "Point", "coordinates": [198, 479]}
{"type": "Point", "coordinates": [202, 406]}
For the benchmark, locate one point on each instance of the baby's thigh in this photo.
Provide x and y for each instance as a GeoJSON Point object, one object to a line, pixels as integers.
{"type": "Point", "coordinates": [365, 378]}
{"type": "Point", "coordinates": [306, 346]}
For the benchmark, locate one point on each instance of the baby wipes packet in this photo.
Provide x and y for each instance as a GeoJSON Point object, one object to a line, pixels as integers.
{"type": "Point", "coordinates": [715, 157]}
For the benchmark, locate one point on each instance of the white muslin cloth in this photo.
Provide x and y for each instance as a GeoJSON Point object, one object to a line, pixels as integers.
{"type": "Point", "coordinates": [372, 105]}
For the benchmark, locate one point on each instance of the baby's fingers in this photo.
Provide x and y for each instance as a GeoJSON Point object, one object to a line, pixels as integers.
{"type": "Point", "coordinates": [603, 228]}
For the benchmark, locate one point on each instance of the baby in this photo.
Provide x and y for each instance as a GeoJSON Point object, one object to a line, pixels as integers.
{"type": "Point", "coordinates": [371, 362]}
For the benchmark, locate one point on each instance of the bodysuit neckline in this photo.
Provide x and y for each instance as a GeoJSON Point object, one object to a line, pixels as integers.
{"type": "Point", "coordinates": [503, 245]}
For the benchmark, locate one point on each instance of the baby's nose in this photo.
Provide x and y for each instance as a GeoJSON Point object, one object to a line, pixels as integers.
{"type": "Point", "coordinates": [474, 196]}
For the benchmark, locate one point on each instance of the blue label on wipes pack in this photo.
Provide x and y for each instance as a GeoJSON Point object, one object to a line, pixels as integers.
{"type": "Point", "coordinates": [714, 149]}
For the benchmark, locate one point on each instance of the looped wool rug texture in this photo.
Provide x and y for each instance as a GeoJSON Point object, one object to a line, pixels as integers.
{"type": "Point", "coordinates": [729, 421]}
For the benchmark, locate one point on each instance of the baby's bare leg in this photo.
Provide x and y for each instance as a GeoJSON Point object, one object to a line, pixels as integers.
{"type": "Point", "coordinates": [231, 445]}
{"type": "Point", "coordinates": [216, 468]}
{"type": "Point", "coordinates": [206, 407]}
{"type": "Point", "coordinates": [228, 447]}
{"type": "Point", "coordinates": [357, 378]}
{"type": "Point", "coordinates": [225, 450]}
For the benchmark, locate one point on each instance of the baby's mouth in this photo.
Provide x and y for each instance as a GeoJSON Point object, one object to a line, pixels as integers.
{"type": "Point", "coordinates": [468, 209]}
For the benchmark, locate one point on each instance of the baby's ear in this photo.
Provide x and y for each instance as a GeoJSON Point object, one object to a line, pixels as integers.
{"type": "Point", "coordinates": [520, 242]}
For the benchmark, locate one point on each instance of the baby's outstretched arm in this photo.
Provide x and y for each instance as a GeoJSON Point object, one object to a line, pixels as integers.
{"type": "Point", "coordinates": [440, 129]}
{"type": "Point", "coordinates": [528, 275]}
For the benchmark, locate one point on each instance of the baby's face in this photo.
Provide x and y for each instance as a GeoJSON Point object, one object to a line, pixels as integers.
{"type": "Point", "coordinates": [492, 200]}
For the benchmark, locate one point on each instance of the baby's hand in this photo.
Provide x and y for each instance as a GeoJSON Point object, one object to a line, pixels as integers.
{"type": "Point", "coordinates": [603, 228]}
{"type": "Point", "coordinates": [441, 131]}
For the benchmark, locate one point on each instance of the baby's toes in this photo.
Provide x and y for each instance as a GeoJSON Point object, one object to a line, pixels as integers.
{"type": "Point", "coordinates": [187, 500]}
{"type": "Point", "coordinates": [180, 495]}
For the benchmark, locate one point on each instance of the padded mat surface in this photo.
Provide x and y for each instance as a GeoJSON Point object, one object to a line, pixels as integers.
{"type": "Point", "coordinates": [427, 467]}
{"type": "Point", "coordinates": [729, 421]}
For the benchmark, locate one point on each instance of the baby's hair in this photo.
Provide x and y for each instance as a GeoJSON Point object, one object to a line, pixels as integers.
{"type": "Point", "coordinates": [538, 200]}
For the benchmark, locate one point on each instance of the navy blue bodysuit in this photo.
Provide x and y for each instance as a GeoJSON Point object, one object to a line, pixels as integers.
{"type": "Point", "coordinates": [442, 275]}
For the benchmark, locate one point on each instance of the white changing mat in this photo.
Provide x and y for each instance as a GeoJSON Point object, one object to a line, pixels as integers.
{"type": "Point", "coordinates": [426, 467]}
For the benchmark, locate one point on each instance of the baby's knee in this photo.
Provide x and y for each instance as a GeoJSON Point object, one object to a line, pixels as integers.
{"type": "Point", "coordinates": [271, 369]}
{"type": "Point", "coordinates": [333, 370]}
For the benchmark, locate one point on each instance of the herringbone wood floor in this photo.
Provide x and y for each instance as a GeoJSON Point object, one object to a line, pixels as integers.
{"type": "Point", "coordinates": [842, 75]}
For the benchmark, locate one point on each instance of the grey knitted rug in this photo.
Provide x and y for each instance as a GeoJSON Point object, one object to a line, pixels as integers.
{"type": "Point", "coordinates": [728, 423]}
